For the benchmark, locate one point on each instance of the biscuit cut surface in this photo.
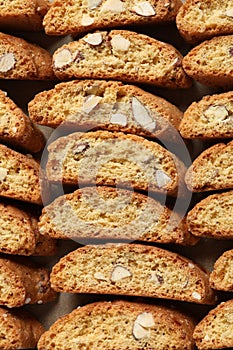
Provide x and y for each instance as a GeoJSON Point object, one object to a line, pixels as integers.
{"type": "Point", "coordinates": [212, 169]}
{"type": "Point", "coordinates": [221, 278]}
{"type": "Point", "coordinates": [210, 62]}
{"type": "Point", "coordinates": [93, 104]}
{"type": "Point", "coordinates": [81, 16]}
{"type": "Point", "coordinates": [121, 55]}
{"type": "Point", "coordinates": [22, 282]}
{"type": "Point", "coordinates": [212, 217]}
{"type": "Point", "coordinates": [22, 60]}
{"type": "Point", "coordinates": [23, 15]}
{"type": "Point", "coordinates": [107, 213]}
{"type": "Point", "coordinates": [215, 331]}
{"type": "Point", "coordinates": [135, 270]}
{"type": "Point", "coordinates": [200, 20]}
{"type": "Point", "coordinates": [19, 176]}
{"type": "Point", "coordinates": [120, 325]}
{"type": "Point", "coordinates": [105, 158]}
{"type": "Point", "coordinates": [19, 330]}
{"type": "Point", "coordinates": [211, 117]}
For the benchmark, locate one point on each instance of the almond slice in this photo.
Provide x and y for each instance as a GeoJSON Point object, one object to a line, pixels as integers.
{"type": "Point", "coordinates": [94, 39]}
{"type": "Point", "coordinates": [87, 20]}
{"type": "Point", "coordinates": [145, 320]}
{"type": "Point", "coordinates": [141, 115]}
{"type": "Point", "coordinates": [119, 43]}
{"type": "Point", "coordinates": [100, 276]}
{"type": "Point", "coordinates": [116, 6]}
{"type": "Point", "coordinates": [144, 9]}
{"type": "Point", "coordinates": [3, 174]}
{"type": "Point", "coordinates": [119, 273]}
{"type": "Point", "coordinates": [229, 12]}
{"type": "Point", "coordinates": [218, 112]}
{"type": "Point", "coordinates": [7, 62]}
{"type": "Point", "coordinates": [90, 103]}
{"type": "Point", "coordinates": [139, 332]}
{"type": "Point", "coordinates": [119, 118]}
{"type": "Point", "coordinates": [63, 58]}
{"type": "Point", "coordinates": [162, 179]}
{"type": "Point", "coordinates": [93, 4]}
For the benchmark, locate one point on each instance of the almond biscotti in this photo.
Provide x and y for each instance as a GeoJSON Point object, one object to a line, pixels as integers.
{"type": "Point", "coordinates": [19, 176]}
{"type": "Point", "coordinates": [110, 105]}
{"type": "Point", "coordinates": [106, 158]}
{"type": "Point", "coordinates": [210, 62]}
{"type": "Point", "coordinates": [26, 15]}
{"type": "Point", "coordinates": [19, 330]}
{"type": "Point", "coordinates": [215, 331]}
{"type": "Point", "coordinates": [22, 282]}
{"type": "Point", "coordinates": [121, 55]}
{"type": "Point", "coordinates": [16, 128]}
{"type": "Point", "coordinates": [131, 269]}
{"type": "Point", "coordinates": [212, 217]}
{"type": "Point", "coordinates": [106, 213]}
{"type": "Point", "coordinates": [75, 17]}
{"type": "Point", "coordinates": [22, 60]}
{"type": "Point", "coordinates": [211, 117]}
{"type": "Point", "coordinates": [120, 325]}
{"type": "Point", "coordinates": [221, 278]}
{"type": "Point", "coordinates": [199, 20]}
{"type": "Point", "coordinates": [212, 169]}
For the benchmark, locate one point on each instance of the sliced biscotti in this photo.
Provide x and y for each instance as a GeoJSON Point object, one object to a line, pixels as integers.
{"type": "Point", "coordinates": [106, 158]}
{"type": "Point", "coordinates": [120, 325]}
{"type": "Point", "coordinates": [210, 62]}
{"type": "Point", "coordinates": [212, 217]}
{"type": "Point", "coordinates": [22, 282]}
{"type": "Point", "coordinates": [23, 15]}
{"type": "Point", "coordinates": [19, 176]}
{"type": "Point", "coordinates": [19, 330]}
{"type": "Point", "coordinates": [19, 233]}
{"type": "Point", "coordinates": [131, 269]}
{"type": "Point", "coordinates": [211, 117]}
{"type": "Point", "coordinates": [22, 60]}
{"type": "Point", "coordinates": [221, 278]}
{"type": "Point", "coordinates": [110, 105]}
{"type": "Point", "coordinates": [215, 331]}
{"type": "Point", "coordinates": [121, 55]}
{"type": "Point", "coordinates": [212, 169]}
{"type": "Point", "coordinates": [199, 20]}
{"type": "Point", "coordinates": [16, 128]}
{"type": "Point", "coordinates": [77, 17]}
{"type": "Point", "coordinates": [106, 213]}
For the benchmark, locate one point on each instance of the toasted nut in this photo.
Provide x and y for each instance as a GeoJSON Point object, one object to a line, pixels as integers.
{"type": "Point", "coordinates": [118, 118]}
{"type": "Point", "coordinates": [145, 320]}
{"type": "Point", "coordinates": [116, 6]}
{"type": "Point", "coordinates": [100, 276]}
{"type": "Point", "coordinates": [3, 174]}
{"type": "Point", "coordinates": [119, 43]}
{"type": "Point", "coordinates": [63, 58]}
{"type": "Point", "coordinates": [139, 332]}
{"type": "Point", "coordinates": [94, 39]}
{"type": "Point", "coordinates": [229, 13]}
{"type": "Point", "coordinates": [196, 295]}
{"type": "Point", "coordinates": [93, 4]}
{"type": "Point", "coordinates": [157, 279]}
{"type": "Point", "coordinates": [90, 103]}
{"type": "Point", "coordinates": [162, 179]}
{"type": "Point", "coordinates": [7, 62]}
{"type": "Point", "coordinates": [87, 20]}
{"type": "Point", "coordinates": [119, 273]}
{"type": "Point", "coordinates": [218, 112]}
{"type": "Point", "coordinates": [80, 147]}
{"type": "Point", "coordinates": [144, 9]}
{"type": "Point", "coordinates": [141, 115]}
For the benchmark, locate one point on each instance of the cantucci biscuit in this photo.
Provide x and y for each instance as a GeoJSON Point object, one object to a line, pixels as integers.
{"type": "Point", "coordinates": [110, 105]}
{"type": "Point", "coordinates": [22, 60]}
{"type": "Point", "coordinates": [22, 282]}
{"type": "Point", "coordinates": [200, 20]}
{"type": "Point", "coordinates": [213, 216]}
{"type": "Point", "coordinates": [121, 55]}
{"type": "Point", "coordinates": [215, 331]}
{"type": "Point", "coordinates": [106, 158]}
{"type": "Point", "coordinates": [210, 62]}
{"type": "Point", "coordinates": [212, 169]}
{"type": "Point", "coordinates": [120, 325]}
{"type": "Point", "coordinates": [106, 213]}
{"type": "Point", "coordinates": [132, 269]}
{"type": "Point", "coordinates": [71, 17]}
{"type": "Point", "coordinates": [221, 278]}
{"type": "Point", "coordinates": [19, 330]}
{"type": "Point", "coordinates": [211, 117]}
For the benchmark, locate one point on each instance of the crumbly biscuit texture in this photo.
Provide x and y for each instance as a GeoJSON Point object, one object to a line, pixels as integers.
{"type": "Point", "coordinates": [22, 60]}
{"type": "Point", "coordinates": [216, 329]}
{"type": "Point", "coordinates": [120, 325]}
{"type": "Point", "coordinates": [121, 55]}
{"type": "Point", "coordinates": [77, 17]}
{"type": "Point", "coordinates": [212, 217]}
{"type": "Point", "coordinates": [105, 158]}
{"type": "Point", "coordinates": [210, 62]}
{"type": "Point", "coordinates": [209, 118]}
{"type": "Point", "coordinates": [19, 330]}
{"type": "Point", "coordinates": [132, 269]}
{"type": "Point", "coordinates": [221, 278]}
{"type": "Point", "coordinates": [110, 105]}
{"type": "Point", "coordinates": [212, 169]}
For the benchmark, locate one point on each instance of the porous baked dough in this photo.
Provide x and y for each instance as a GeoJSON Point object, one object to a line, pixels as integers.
{"type": "Point", "coordinates": [221, 278]}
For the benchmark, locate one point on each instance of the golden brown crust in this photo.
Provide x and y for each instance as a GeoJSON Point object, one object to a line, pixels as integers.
{"type": "Point", "coordinates": [221, 276]}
